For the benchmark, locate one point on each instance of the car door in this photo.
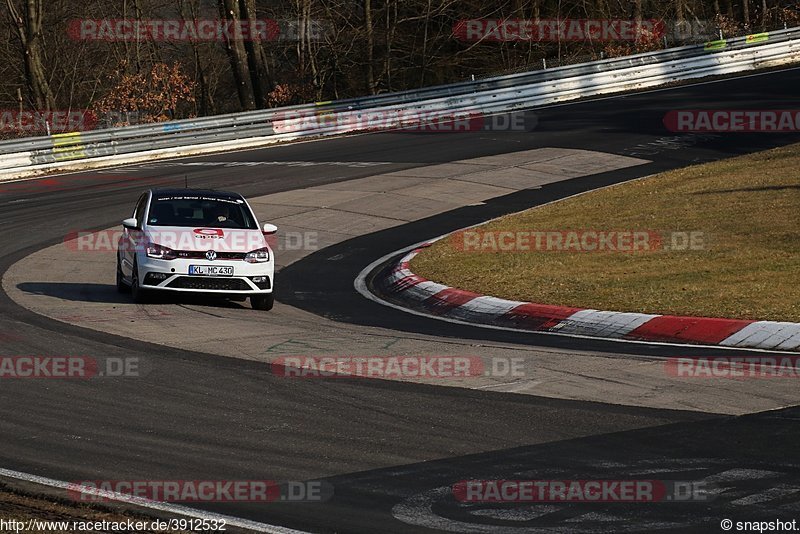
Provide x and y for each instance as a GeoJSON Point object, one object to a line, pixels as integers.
{"type": "Point", "coordinates": [132, 240]}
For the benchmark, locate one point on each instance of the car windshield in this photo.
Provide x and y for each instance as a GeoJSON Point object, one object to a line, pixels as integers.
{"type": "Point", "coordinates": [191, 211]}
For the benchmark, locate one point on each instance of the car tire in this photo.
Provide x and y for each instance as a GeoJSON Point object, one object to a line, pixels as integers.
{"type": "Point", "coordinates": [122, 287]}
{"type": "Point", "coordinates": [140, 296]}
{"type": "Point", "coordinates": [262, 302]}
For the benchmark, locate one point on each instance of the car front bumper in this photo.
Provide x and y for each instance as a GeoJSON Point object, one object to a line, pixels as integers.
{"type": "Point", "coordinates": [173, 275]}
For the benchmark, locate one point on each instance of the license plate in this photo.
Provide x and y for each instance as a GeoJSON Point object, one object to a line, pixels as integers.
{"type": "Point", "coordinates": [211, 270]}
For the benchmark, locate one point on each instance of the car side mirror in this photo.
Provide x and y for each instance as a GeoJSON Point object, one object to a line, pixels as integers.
{"type": "Point", "coordinates": [270, 229]}
{"type": "Point", "coordinates": [130, 224]}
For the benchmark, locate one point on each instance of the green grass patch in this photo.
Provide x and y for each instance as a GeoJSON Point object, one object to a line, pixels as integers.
{"type": "Point", "coordinates": [747, 210]}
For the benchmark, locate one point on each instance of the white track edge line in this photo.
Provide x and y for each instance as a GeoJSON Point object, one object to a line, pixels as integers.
{"type": "Point", "coordinates": [153, 505]}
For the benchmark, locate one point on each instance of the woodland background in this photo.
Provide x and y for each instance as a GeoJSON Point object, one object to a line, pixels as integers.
{"type": "Point", "coordinates": [367, 47]}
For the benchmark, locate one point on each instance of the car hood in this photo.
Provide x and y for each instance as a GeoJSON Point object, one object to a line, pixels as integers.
{"type": "Point", "coordinates": [206, 238]}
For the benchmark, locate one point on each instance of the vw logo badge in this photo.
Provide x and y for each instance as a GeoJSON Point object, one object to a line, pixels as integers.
{"type": "Point", "coordinates": [211, 255]}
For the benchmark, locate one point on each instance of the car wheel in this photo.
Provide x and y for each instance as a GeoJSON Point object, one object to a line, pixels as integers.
{"type": "Point", "coordinates": [262, 302]}
{"type": "Point", "coordinates": [140, 296]}
{"type": "Point", "coordinates": [122, 287]}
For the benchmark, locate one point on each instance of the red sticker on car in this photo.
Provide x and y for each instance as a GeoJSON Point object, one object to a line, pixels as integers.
{"type": "Point", "coordinates": [209, 232]}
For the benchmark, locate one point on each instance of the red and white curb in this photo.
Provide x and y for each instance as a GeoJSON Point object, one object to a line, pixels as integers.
{"type": "Point", "coordinates": [413, 292]}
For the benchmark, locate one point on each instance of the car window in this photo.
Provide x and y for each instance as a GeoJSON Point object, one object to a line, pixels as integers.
{"type": "Point", "coordinates": [193, 211]}
{"type": "Point", "coordinates": [141, 207]}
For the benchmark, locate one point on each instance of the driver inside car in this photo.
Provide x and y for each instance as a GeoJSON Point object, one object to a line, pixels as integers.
{"type": "Point", "coordinates": [221, 216]}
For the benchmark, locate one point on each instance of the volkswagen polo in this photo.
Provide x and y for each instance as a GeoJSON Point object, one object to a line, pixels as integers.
{"type": "Point", "coordinates": [196, 241]}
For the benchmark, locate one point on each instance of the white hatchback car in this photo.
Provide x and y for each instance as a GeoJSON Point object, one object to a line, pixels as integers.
{"type": "Point", "coordinates": [196, 241]}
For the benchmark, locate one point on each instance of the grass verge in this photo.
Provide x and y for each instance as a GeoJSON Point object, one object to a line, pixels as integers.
{"type": "Point", "coordinates": [744, 262]}
{"type": "Point", "coordinates": [32, 511]}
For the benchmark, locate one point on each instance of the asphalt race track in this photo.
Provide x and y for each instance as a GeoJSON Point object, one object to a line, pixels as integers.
{"type": "Point", "coordinates": [391, 451]}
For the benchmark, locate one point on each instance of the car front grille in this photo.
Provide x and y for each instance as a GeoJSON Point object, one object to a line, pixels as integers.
{"type": "Point", "coordinates": [209, 283]}
{"type": "Point", "coordinates": [201, 255]}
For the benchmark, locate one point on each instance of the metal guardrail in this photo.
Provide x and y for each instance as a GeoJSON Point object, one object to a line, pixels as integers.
{"type": "Point", "coordinates": [503, 93]}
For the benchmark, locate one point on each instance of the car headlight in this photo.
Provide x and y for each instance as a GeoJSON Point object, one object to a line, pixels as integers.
{"type": "Point", "coordinates": [160, 253]}
{"type": "Point", "coordinates": [258, 256]}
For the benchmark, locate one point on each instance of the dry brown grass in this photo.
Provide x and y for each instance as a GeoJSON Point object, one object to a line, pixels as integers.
{"type": "Point", "coordinates": [20, 506]}
{"type": "Point", "coordinates": [747, 207]}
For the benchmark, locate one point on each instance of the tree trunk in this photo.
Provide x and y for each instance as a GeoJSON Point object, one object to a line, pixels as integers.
{"type": "Point", "coordinates": [29, 31]}
{"type": "Point", "coordinates": [206, 100]}
{"type": "Point", "coordinates": [312, 48]}
{"type": "Point", "coordinates": [370, 46]}
{"type": "Point", "coordinates": [746, 13]}
{"type": "Point", "coordinates": [424, 62]}
{"type": "Point", "coordinates": [206, 106]}
{"type": "Point", "coordinates": [257, 61]}
{"type": "Point", "coordinates": [229, 10]}
{"type": "Point", "coordinates": [389, 32]}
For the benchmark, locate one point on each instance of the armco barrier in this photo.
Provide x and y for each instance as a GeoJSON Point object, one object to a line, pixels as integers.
{"type": "Point", "coordinates": [33, 156]}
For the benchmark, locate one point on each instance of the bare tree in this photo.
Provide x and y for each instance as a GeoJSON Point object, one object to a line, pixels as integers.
{"type": "Point", "coordinates": [29, 32]}
{"type": "Point", "coordinates": [367, 46]}
{"type": "Point", "coordinates": [368, 29]}
{"type": "Point", "coordinates": [746, 13]}
{"type": "Point", "coordinates": [229, 11]}
{"type": "Point", "coordinates": [256, 60]}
